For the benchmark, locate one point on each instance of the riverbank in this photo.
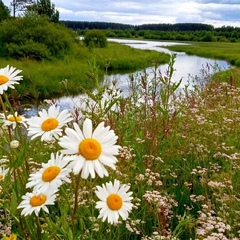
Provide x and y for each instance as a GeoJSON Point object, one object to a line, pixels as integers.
{"type": "Point", "coordinates": [218, 50]}
{"type": "Point", "coordinates": [46, 79]}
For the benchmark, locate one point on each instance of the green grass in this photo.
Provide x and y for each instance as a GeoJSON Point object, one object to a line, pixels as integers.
{"type": "Point", "coordinates": [216, 50]}
{"type": "Point", "coordinates": [44, 79]}
{"type": "Point", "coordinates": [180, 156]}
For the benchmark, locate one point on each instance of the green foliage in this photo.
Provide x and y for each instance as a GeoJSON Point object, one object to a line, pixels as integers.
{"type": "Point", "coordinates": [4, 12]}
{"type": "Point", "coordinates": [67, 74]}
{"type": "Point", "coordinates": [45, 8]}
{"type": "Point", "coordinates": [95, 38]}
{"type": "Point", "coordinates": [34, 37]}
{"type": "Point", "coordinates": [175, 32]}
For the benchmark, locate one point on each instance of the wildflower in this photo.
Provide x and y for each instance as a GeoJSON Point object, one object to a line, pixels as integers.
{"type": "Point", "coordinates": [91, 150]}
{"type": "Point", "coordinates": [37, 200]}
{"type": "Point", "coordinates": [51, 175]}
{"type": "Point", "coordinates": [3, 173]}
{"type": "Point", "coordinates": [8, 77]}
{"type": "Point", "coordinates": [14, 144]}
{"type": "Point", "coordinates": [115, 201]}
{"type": "Point", "coordinates": [13, 119]}
{"type": "Point", "coordinates": [49, 123]}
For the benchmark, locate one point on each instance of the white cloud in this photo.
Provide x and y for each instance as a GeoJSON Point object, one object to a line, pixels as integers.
{"type": "Point", "coordinates": [136, 12]}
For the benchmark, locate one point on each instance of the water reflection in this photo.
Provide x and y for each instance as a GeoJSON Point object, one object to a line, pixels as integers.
{"type": "Point", "coordinates": [185, 65]}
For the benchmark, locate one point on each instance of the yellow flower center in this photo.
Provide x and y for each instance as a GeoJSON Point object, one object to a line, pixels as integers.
{"type": "Point", "coordinates": [114, 201]}
{"type": "Point", "coordinates": [13, 119]}
{"type": "Point", "coordinates": [38, 200]}
{"type": "Point", "coordinates": [49, 124]}
{"type": "Point", "coordinates": [1, 176]}
{"type": "Point", "coordinates": [12, 237]}
{"type": "Point", "coordinates": [50, 173]}
{"type": "Point", "coordinates": [3, 79]}
{"type": "Point", "coordinates": [90, 149]}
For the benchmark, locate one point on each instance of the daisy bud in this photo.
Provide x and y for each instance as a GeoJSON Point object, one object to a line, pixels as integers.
{"type": "Point", "coordinates": [14, 144]}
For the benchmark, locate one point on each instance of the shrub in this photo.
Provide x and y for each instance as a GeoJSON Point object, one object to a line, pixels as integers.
{"type": "Point", "coordinates": [34, 37]}
{"type": "Point", "coordinates": [95, 38]}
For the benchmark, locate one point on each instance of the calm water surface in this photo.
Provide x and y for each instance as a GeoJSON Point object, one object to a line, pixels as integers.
{"type": "Point", "coordinates": [185, 65]}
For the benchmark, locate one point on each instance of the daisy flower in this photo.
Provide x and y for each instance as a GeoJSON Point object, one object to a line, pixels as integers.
{"type": "Point", "coordinates": [8, 77]}
{"type": "Point", "coordinates": [13, 119]}
{"type": "Point", "coordinates": [51, 175]}
{"type": "Point", "coordinates": [3, 173]}
{"type": "Point", "coordinates": [90, 150]}
{"type": "Point", "coordinates": [49, 124]}
{"type": "Point", "coordinates": [115, 201]}
{"type": "Point", "coordinates": [37, 200]}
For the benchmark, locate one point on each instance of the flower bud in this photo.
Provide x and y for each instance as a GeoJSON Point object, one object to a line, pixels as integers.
{"type": "Point", "coordinates": [14, 144]}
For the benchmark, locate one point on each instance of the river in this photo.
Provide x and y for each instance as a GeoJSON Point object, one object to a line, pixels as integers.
{"type": "Point", "coordinates": [185, 65]}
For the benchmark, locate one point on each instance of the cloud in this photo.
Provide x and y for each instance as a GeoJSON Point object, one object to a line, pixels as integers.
{"type": "Point", "coordinates": [136, 12]}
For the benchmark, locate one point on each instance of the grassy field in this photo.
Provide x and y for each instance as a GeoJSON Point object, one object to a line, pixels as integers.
{"type": "Point", "coordinates": [46, 79]}
{"type": "Point", "coordinates": [178, 159]}
{"type": "Point", "coordinates": [179, 156]}
{"type": "Point", "coordinates": [216, 50]}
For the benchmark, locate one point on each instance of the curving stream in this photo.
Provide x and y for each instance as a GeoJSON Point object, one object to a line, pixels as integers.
{"type": "Point", "coordinates": [185, 65]}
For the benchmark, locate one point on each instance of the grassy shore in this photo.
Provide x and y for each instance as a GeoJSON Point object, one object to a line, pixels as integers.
{"type": "Point", "coordinates": [48, 78]}
{"type": "Point", "coordinates": [222, 51]}
{"type": "Point", "coordinates": [217, 50]}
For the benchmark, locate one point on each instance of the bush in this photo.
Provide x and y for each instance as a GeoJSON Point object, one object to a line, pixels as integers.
{"type": "Point", "coordinates": [34, 37]}
{"type": "Point", "coordinates": [95, 38]}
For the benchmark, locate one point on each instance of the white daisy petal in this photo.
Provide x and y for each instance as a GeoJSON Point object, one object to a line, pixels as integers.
{"type": "Point", "coordinates": [48, 125]}
{"type": "Point", "coordinates": [35, 201]}
{"type": "Point", "coordinates": [87, 128]}
{"type": "Point", "coordinates": [8, 77]}
{"type": "Point", "coordinates": [86, 145]}
{"type": "Point", "coordinates": [114, 201]}
{"type": "Point", "coordinates": [51, 175]}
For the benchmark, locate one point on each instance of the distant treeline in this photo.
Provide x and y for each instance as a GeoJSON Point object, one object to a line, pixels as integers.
{"type": "Point", "coordinates": [161, 31]}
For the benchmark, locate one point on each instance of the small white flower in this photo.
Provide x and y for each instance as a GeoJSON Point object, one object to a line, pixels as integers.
{"type": "Point", "coordinates": [115, 201]}
{"type": "Point", "coordinates": [51, 175]}
{"type": "Point", "coordinates": [8, 77]}
{"type": "Point", "coordinates": [14, 144]}
{"type": "Point", "coordinates": [49, 124]}
{"type": "Point", "coordinates": [90, 150]}
{"type": "Point", "coordinates": [35, 201]}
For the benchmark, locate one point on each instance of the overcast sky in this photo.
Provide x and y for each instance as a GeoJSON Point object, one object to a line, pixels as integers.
{"type": "Point", "coordinates": [137, 12]}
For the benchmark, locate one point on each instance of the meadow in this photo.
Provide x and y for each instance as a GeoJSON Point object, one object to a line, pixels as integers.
{"type": "Point", "coordinates": [45, 79]}
{"type": "Point", "coordinates": [158, 164]}
{"type": "Point", "coordinates": [217, 50]}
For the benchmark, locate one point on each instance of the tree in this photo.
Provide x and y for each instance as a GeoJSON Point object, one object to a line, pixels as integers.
{"type": "Point", "coordinates": [34, 37]}
{"type": "Point", "coordinates": [95, 38]}
{"type": "Point", "coordinates": [46, 8]}
{"type": "Point", "coordinates": [4, 11]}
{"type": "Point", "coordinates": [20, 5]}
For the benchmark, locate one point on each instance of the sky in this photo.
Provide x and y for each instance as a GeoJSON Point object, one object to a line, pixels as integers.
{"type": "Point", "coordinates": [136, 12]}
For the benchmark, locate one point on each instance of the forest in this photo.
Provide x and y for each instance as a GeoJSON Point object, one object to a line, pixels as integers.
{"type": "Point", "coordinates": [198, 32]}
